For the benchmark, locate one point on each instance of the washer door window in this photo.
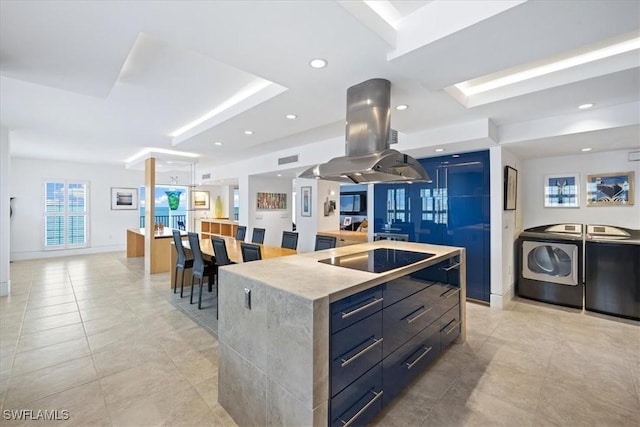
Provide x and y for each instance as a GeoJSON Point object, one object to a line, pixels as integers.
{"type": "Point", "coordinates": [550, 262]}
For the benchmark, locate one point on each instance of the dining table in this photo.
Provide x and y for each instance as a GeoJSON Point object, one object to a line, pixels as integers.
{"type": "Point", "coordinates": [233, 251]}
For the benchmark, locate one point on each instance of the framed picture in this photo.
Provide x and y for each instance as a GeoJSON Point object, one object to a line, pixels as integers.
{"type": "Point", "coordinates": [271, 201]}
{"type": "Point", "coordinates": [305, 201]}
{"type": "Point", "coordinates": [200, 200]}
{"type": "Point", "coordinates": [510, 188]}
{"type": "Point", "coordinates": [610, 189]}
{"type": "Point", "coordinates": [562, 191]}
{"type": "Point", "coordinates": [124, 198]}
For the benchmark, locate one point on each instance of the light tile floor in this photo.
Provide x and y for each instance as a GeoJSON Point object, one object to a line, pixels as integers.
{"type": "Point", "coordinates": [94, 336]}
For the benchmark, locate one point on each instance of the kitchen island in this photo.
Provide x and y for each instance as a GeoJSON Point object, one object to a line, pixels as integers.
{"type": "Point", "coordinates": [301, 341]}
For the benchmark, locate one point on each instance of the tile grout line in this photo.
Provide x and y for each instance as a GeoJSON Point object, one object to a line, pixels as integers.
{"type": "Point", "coordinates": [93, 362]}
{"type": "Point", "coordinates": [24, 313]}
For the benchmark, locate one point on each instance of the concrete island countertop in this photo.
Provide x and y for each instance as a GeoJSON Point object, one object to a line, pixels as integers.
{"type": "Point", "coordinates": [304, 276]}
{"type": "Point", "coordinates": [274, 329]}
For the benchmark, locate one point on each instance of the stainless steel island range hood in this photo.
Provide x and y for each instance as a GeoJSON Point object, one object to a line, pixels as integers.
{"type": "Point", "coordinates": [368, 157]}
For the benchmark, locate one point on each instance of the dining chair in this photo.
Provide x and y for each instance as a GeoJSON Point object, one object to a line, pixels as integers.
{"type": "Point", "coordinates": [222, 258]}
{"type": "Point", "coordinates": [250, 252]}
{"type": "Point", "coordinates": [220, 251]}
{"type": "Point", "coordinates": [258, 236]}
{"type": "Point", "coordinates": [200, 270]}
{"type": "Point", "coordinates": [241, 232]}
{"type": "Point", "coordinates": [182, 263]}
{"type": "Point", "coordinates": [325, 242]}
{"type": "Point", "coordinates": [289, 240]}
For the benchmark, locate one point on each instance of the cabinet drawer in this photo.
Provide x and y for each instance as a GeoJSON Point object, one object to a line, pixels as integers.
{"type": "Point", "coordinates": [450, 326]}
{"type": "Point", "coordinates": [408, 317]}
{"type": "Point", "coordinates": [444, 296]}
{"type": "Point", "coordinates": [354, 350]}
{"type": "Point", "coordinates": [395, 290]}
{"type": "Point", "coordinates": [360, 402]}
{"type": "Point", "coordinates": [349, 310]}
{"type": "Point", "coordinates": [401, 366]}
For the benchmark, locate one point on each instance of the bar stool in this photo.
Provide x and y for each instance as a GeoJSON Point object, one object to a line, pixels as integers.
{"type": "Point", "coordinates": [182, 262]}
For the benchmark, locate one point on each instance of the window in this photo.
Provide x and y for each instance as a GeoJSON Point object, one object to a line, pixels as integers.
{"type": "Point", "coordinates": [65, 214]}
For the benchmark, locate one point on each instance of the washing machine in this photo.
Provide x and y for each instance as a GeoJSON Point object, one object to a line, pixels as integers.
{"type": "Point", "coordinates": [612, 273]}
{"type": "Point", "coordinates": [550, 264]}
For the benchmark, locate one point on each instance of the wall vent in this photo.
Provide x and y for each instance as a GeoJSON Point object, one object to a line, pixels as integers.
{"type": "Point", "coordinates": [393, 136]}
{"type": "Point", "coordinates": [206, 176]}
{"type": "Point", "coordinates": [289, 159]}
{"type": "Point", "coordinates": [634, 156]}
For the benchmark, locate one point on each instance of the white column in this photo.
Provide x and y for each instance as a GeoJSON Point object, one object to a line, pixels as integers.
{"type": "Point", "coordinates": [5, 231]}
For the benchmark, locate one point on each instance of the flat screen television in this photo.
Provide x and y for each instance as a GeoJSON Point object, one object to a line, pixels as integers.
{"type": "Point", "coordinates": [353, 203]}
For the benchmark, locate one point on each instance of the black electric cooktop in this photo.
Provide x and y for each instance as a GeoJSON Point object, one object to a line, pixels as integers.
{"type": "Point", "coordinates": [377, 260]}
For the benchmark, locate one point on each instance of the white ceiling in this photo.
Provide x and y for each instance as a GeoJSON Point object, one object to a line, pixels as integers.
{"type": "Point", "coordinates": [100, 81]}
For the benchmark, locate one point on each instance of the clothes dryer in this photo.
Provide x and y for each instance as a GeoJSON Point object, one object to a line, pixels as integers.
{"type": "Point", "coordinates": [550, 264]}
{"type": "Point", "coordinates": [612, 278]}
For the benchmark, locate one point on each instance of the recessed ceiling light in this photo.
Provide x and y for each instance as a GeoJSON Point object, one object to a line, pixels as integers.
{"type": "Point", "coordinates": [217, 143]}
{"type": "Point", "coordinates": [402, 107]}
{"type": "Point", "coordinates": [585, 106]}
{"type": "Point", "coordinates": [586, 149]}
{"type": "Point", "coordinates": [439, 150]}
{"type": "Point", "coordinates": [291, 116]}
{"type": "Point", "coordinates": [279, 174]}
{"type": "Point", "coordinates": [248, 132]}
{"type": "Point", "coordinates": [318, 63]}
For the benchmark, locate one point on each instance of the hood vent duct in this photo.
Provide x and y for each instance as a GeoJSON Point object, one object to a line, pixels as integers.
{"type": "Point", "coordinates": [368, 156]}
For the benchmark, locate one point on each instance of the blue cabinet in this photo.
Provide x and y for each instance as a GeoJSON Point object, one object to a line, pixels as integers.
{"type": "Point", "coordinates": [383, 336]}
{"type": "Point", "coordinates": [454, 210]}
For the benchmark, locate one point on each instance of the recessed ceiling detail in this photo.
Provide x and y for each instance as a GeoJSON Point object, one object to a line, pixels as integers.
{"type": "Point", "coordinates": [606, 57]}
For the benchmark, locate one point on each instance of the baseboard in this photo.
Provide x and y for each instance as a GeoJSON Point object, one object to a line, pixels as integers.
{"type": "Point", "coordinates": [502, 302]}
{"type": "Point", "coordinates": [5, 288]}
{"type": "Point", "coordinates": [23, 256]}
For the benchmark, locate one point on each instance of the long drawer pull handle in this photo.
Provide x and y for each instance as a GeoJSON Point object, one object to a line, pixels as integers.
{"type": "Point", "coordinates": [359, 309]}
{"type": "Point", "coordinates": [360, 353]}
{"type": "Point", "coordinates": [364, 408]}
{"type": "Point", "coordinates": [451, 329]}
{"type": "Point", "coordinates": [424, 353]}
{"type": "Point", "coordinates": [449, 293]}
{"type": "Point", "coordinates": [451, 267]}
{"type": "Point", "coordinates": [419, 315]}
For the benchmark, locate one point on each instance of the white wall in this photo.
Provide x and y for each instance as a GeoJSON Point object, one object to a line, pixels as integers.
{"type": "Point", "coordinates": [107, 227]}
{"type": "Point", "coordinates": [5, 223]}
{"type": "Point", "coordinates": [505, 228]}
{"type": "Point", "coordinates": [274, 222]}
{"type": "Point", "coordinates": [307, 226]}
{"type": "Point", "coordinates": [532, 177]}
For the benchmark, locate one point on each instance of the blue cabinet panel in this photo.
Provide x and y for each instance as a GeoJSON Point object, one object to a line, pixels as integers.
{"type": "Point", "coordinates": [400, 367]}
{"type": "Point", "coordinates": [360, 402]}
{"type": "Point", "coordinates": [454, 209]}
{"type": "Point", "coordinates": [352, 309]}
{"type": "Point", "coordinates": [450, 326]}
{"type": "Point", "coordinates": [354, 350]}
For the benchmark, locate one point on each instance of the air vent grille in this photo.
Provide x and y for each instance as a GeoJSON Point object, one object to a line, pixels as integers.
{"type": "Point", "coordinates": [289, 159]}
{"type": "Point", "coordinates": [206, 176]}
{"type": "Point", "coordinates": [393, 136]}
